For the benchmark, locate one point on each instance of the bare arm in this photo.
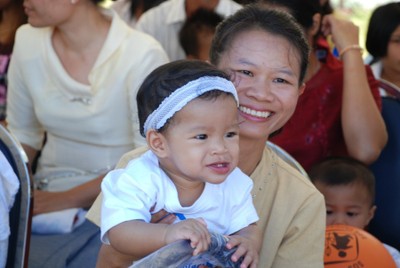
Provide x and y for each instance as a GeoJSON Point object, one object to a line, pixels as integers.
{"type": "Point", "coordinates": [138, 238]}
{"type": "Point", "coordinates": [81, 196]}
{"type": "Point", "coordinates": [110, 257]}
{"type": "Point", "coordinates": [363, 126]}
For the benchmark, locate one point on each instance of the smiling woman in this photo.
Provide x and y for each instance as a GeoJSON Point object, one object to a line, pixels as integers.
{"type": "Point", "coordinates": [291, 211]}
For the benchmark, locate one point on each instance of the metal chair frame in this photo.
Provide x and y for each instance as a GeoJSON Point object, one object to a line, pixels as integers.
{"type": "Point", "coordinates": [287, 157]}
{"type": "Point", "coordinates": [22, 210]}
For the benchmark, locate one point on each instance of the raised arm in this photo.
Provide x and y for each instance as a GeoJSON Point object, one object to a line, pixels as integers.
{"type": "Point", "coordinates": [363, 127]}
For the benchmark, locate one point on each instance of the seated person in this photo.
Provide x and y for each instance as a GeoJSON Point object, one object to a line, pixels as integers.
{"type": "Point", "coordinates": [164, 21]}
{"type": "Point", "coordinates": [190, 169]}
{"type": "Point", "coordinates": [196, 34]}
{"type": "Point", "coordinates": [9, 186]}
{"type": "Point", "coordinates": [349, 190]}
{"type": "Point", "coordinates": [339, 112]}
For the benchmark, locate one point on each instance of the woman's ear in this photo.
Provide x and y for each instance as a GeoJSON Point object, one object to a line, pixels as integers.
{"type": "Point", "coordinates": [316, 24]}
{"type": "Point", "coordinates": [157, 143]}
{"type": "Point", "coordinates": [302, 88]}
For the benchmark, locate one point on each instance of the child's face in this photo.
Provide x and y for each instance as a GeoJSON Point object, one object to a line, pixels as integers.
{"type": "Point", "coordinates": [347, 204]}
{"type": "Point", "coordinates": [204, 39]}
{"type": "Point", "coordinates": [202, 142]}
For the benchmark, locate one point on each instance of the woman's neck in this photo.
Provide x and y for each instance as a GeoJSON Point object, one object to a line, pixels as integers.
{"type": "Point", "coordinates": [78, 42]}
{"type": "Point", "coordinates": [83, 31]}
{"type": "Point", "coordinates": [313, 66]}
{"type": "Point", "coordinates": [390, 75]}
{"type": "Point", "coordinates": [251, 152]}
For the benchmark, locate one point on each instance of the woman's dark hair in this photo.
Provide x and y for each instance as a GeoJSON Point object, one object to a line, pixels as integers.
{"type": "Point", "coordinates": [202, 20]}
{"type": "Point", "coordinates": [302, 10]}
{"type": "Point", "coordinates": [144, 4]}
{"type": "Point", "coordinates": [383, 22]}
{"type": "Point", "coordinates": [338, 171]}
{"type": "Point", "coordinates": [259, 17]}
{"type": "Point", "coordinates": [19, 16]}
{"type": "Point", "coordinates": [164, 80]}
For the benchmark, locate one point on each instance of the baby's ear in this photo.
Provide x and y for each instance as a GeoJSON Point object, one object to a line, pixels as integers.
{"type": "Point", "coordinates": [157, 143]}
{"type": "Point", "coordinates": [371, 214]}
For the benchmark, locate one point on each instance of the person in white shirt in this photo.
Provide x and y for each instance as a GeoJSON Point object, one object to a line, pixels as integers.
{"type": "Point", "coordinates": [164, 21]}
{"type": "Point", "coordinates": [131, 10]}
{"type": "Point", "coordinates": [73, 76]}
{"type": "Point", "coordinates": [9, 185]}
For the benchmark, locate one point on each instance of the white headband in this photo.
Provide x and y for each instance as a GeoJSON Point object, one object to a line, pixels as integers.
{"type": "Point", "coordinates": [180, 97]}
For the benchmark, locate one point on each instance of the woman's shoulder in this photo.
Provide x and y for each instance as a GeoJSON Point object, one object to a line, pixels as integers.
{"type": "Point", "coordinates": [278, 169]}
{"type": "Point", "coordinates": [29, 32]}
{"type": "Point", "coordinates": [31, 41]}
{"type": "Point", "coordinates": [28, 36]}
{"type": "Point", "coordinates": [127, 157]}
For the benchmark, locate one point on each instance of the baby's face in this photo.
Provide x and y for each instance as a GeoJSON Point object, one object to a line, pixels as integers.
{"type": "Point", "coordinates": [347, 204]}
{"type": "Point", "coordinates": [202, 141]}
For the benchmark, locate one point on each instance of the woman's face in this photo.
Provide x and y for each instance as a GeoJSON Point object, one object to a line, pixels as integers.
{"type": "Point", "coordinates": [265, 69]}
{"type": "Point", "coordinates": [43, 13]}
{"type": "Point", "coordinates": [392, 60]}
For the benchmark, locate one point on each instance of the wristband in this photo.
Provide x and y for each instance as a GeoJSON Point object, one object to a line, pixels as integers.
{"type": "Point", "coordinates": [351, 47]}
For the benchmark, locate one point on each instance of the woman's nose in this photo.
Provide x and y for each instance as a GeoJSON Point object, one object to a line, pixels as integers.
{"type": "Point", "coordinates": [262, 90]}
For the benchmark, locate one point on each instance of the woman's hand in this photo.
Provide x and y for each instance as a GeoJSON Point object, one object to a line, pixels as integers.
{"type": "Point", "coordinates": [246, 249]}
{"type": "Point", "coordinates": [344, 33]}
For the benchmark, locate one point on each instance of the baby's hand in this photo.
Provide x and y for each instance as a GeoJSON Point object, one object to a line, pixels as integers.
{"type": "Point", "coordinates": [194, 230]}
{"type": "Point", "coordinates": [245, 248]}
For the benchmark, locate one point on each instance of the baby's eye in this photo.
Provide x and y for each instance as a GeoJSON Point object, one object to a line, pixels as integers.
{"type": "Point", "coordinates": [231, 134]}
{"type": "Point", "coordinates": [329, 212]}
{"type": "Point", "coordinates": [201, 137]}
{"type": "Point", "coordinates": [352, 214]}
{"type": "Point", "coordinates": [245, 72]}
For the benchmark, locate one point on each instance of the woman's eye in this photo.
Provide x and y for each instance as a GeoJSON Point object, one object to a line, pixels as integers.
{"type": "Point", "coordinates": [329, 212]}
{"type": "Point", "coordinates": [280, 80]}
{"type": "Point", "coordinates": [201, 137]}
{"type": "Point", "coordinates": [231, 134]}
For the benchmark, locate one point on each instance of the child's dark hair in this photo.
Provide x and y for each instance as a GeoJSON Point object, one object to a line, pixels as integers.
{"type": "Point", "coordinates": [259, 17]}
{"type": "Point", "coordinates": [143, 4]}
{"type": "Point", "coordinates": [164, 80]}
{"type": "Point", "coordinates": [335, 171]}
{"type": "Point", "coordinates": [202, 20]}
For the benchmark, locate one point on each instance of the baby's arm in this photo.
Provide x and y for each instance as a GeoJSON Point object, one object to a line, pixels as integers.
{"type": "Point", "coordinates": [248, 242]}
{"type": "Point", "coordinates": [139, 238]}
